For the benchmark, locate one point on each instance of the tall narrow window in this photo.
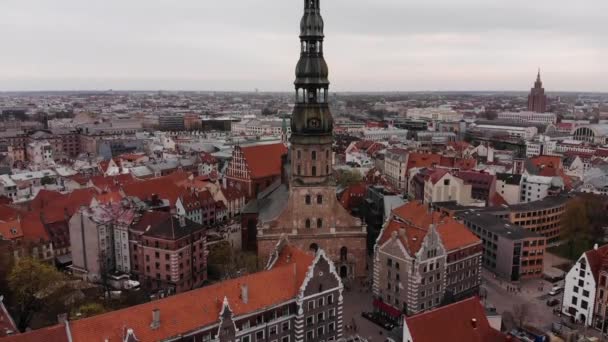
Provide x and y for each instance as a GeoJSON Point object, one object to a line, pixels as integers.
{"type": "Point", "coordinates": [319, 199]}
{"type": "Point", "coordinates": [299, 170]}
{"type": "Point", "coordinates": [319, 223]}
{"type": "Point", "coordinates": [314, 171]}
{"type": "Point", "coordinates": [299, 154]}
{"type": "Point", "coordinates": [307, 199]}
{"type": "Point", "coordinates": [314, 155]}
{"type": "Point", "coordinates": [307, 223]}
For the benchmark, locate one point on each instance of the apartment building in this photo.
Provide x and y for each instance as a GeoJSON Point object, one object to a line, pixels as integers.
{"type": "Point", "coordinates": [536, 188]}
{"type": "Point", "coordinates": [509, 251]}
{"type": "Point", "coordinates": [527, 116]}
{"type": "Point", "coordinates": [99, 240]}
{"type": "Point", "coordinates": [171, 253]}
{"type": "Point", "coordinates": [582, 284]}
{"type": "Point", "coordinates": [442, 186]}
{"type": "Point", "coordinates": [422, 260]}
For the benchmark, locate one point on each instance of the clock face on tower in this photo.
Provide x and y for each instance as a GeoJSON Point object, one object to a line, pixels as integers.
{"type": "Point", "coordinates": [314, 123]}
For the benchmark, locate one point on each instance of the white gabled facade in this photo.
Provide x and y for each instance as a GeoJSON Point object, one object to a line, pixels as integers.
{"type": "Point", "coordinates": [579, 291]}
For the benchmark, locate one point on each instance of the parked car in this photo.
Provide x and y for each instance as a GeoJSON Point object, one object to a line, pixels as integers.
{"type": "Point", "coordinates": [556, 290]}
{"type": "Point", "coordinates": [552, 302]}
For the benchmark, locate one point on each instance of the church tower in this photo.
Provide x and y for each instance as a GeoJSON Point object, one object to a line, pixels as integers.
{"type": "Point", "coordinates": [537, 100]}
{"type": "Point", "coordinates": [311, 122]}
{"type": "Point", "coordinates": [307, 211]}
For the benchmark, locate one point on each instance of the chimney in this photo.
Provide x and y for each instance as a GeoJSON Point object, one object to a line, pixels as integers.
{"type": "Point", "coordinates": [245, 293]}
{"type": "Point", "coordinates": [474, 323]}
{"type": "Point", "coordinates": [155, 319]}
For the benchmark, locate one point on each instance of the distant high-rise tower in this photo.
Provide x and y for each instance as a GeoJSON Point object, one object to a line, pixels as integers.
{"type": "Point", "coordinates": [537, 100]}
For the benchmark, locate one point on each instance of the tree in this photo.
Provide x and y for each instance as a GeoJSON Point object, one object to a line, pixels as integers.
{"type": "Point", "coordinates": [219, 259]}
{"type": "Point", "coordinates": [32, 283]}
{"type": "Point", "coordinates": [348, 178]}
{"type": "Point", "coordinates": [576, 229]}
{"type": "Point", "coordinates": [88, 310]}
{"type": "Point", "coordinates": [521, 312]}
{"type": "Point", "coordinates": [46, 180]}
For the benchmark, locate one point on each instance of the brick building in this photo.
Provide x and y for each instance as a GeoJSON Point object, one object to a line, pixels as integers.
{"type": "Point", "coordinates": [422, 260]}
{"type": "Point", "coordinates": [171, 252]}
{"type": "Point", "coordinates": [537, 100]}
{"type": "Point", "coordinates": [253, 168]}
{"type": "Point", "coordinates": [306, 208]}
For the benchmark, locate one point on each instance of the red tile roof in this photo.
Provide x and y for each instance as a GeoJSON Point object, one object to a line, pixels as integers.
{"type": "Point", "coordinates": [264, 160]}
{"type": "Point", "coordinates": [462, 321]}
{"type": "Point", "coordinates": [164, 187]}
{"type": "Point", "coordinates": [415, 219]}
{"type": "Point", "coordinates": [547, 161]}
{"type": "Point", "coordinates": [62, 204]}
{"type": "Point", "coordinates": [416, 159]}
{"type": "Point", "coordinates": [598, 259]}
{"type": "Point", "coordinates": [56, 333]}
{"type": "Point", "coordinates": [435, 175]}
{"type": "Point", "coordinates": [32, 227]}
{"type": "Point", "coordinates": [11, 230]}
{"type": "Point", "coordinates": [194, 309]}
{"type": "Point", "coordinates": [353, 196]}
{"type": "Point", "coordinates": [8, 213]}
{"type": "Point", "coordinates": [111, 183]}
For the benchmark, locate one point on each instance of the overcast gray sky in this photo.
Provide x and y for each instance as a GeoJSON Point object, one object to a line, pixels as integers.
{"type": "Point", "coordinates": [371, 45]}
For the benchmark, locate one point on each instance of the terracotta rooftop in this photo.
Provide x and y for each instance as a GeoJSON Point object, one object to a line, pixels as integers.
{"type": "Point", "coordinates": [462, 321]}
{"type": "Point", "coordinates": [414, 219]}
{"type": "Point", "coordinates": [266, 288]}
{"type": "Point", "coordinates": [264, 160]}
{"type": "Point", "coordinates": [56, 333]}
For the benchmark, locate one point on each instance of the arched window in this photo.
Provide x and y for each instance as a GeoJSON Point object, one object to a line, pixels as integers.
{"type": "Point", "coordinates": [308, 199]}
{"type": "Point", "coordinates": [307, 223]}
{"type": "Point", "coordinates": [314, 171]}
{"type": "Point", "coordinates": [343, 253]}
{"type": "Point", "coordinates": [326, 169]}
{"type": "Point", "coordinates": [327, 153]}
{"type": "Point", "coordinates": [299, 154]}
{"type": "Point", "coordinates": [319, 223]}
{"type": "Point", "coordinates": [319, 199]}
{"type": "Point", "coordinates": [314, 155]}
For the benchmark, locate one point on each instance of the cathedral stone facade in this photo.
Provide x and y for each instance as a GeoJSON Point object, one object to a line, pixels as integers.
{"type": "Point", "coordinates": [310, 215]}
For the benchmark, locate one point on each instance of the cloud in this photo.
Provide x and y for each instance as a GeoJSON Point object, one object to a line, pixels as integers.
{"type": "Point", "coordinates": [244, 44]}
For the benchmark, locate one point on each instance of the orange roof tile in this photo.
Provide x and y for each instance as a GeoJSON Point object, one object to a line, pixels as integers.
{"type": "Point", "coordinates": [416, 159]}
{"type": "Point", "coordinates": [462, 321]}
{"type": "Point", "coordinates": [164, 187]}
{"type": "Point", "coordinates": [56, 333]}
{"type": "Point", "coordinates": [265, 289]}
{"type": "Point", "coordinates": [10, 230]}
{"type": "Point", "coordinates": [416, 219]}
{"type": "Point", "coordinates": [547, 161]}
{"type": "Point", "coordinates": [8, 213]}
{"type": "Point", "coordinates": [264, 160]}
{"type": "Point", "coordinates": [32, 227]}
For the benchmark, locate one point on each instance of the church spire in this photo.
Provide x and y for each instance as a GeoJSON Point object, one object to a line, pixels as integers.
{"type": "Point", "coordinates": [311, 121]}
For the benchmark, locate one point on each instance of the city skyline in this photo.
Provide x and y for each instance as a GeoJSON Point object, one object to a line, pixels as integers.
{"type": "Point", "coordinates": [243, 45]}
